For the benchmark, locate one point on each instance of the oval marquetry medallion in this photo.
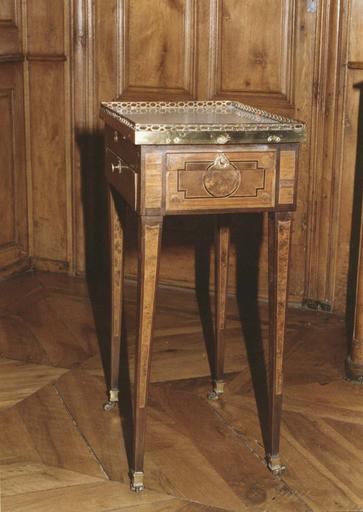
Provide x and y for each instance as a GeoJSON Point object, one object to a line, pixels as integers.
{"type": "Point", "coordinates": [221, 178]}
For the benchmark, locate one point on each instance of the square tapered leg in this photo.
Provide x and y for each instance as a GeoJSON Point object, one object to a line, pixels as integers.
{"type": "Point", "coordinates": [117, 276]}
{"type": "Point", "coordinates": [149, 252]}
{"type": "Point", "coordinates": [279, 249]}
{"type": "Point", "coordinates": [221, 283]}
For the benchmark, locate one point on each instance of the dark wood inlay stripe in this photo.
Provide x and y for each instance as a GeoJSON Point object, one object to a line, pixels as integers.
{"type": "Point", "coordinates": [46, 57]}
{"type": "Point", "coordinates": [355, 65]}
{"type": "Point", "coordinates": [12, 57]}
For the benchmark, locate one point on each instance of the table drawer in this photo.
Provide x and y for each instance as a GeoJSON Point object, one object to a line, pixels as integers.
{"type": "Point", "coordinates": [123, 178]}
{"type": "Point", "coordinates": [119, 145]}
{"type": "Point", "coordinates": [220, 180]}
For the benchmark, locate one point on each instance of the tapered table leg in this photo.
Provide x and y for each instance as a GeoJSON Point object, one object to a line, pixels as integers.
{"type": "Point", "coordinates": [149, 250]}
{"type": "Point", "coordinates": [279, 248]}
{"type": "Point", "coordinates": [221, 283]}
{"type": "Point", "coordinates": [117, 274]}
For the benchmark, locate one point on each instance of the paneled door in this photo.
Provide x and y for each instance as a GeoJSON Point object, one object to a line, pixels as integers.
{"type": "Point", "coordinates": [13, 197]}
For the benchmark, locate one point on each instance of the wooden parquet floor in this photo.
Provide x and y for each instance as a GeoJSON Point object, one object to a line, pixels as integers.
{"type": "Point", "coordinates": [59, 451]}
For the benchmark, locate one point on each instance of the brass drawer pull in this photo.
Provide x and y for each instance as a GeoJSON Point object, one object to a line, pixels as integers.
{"type": "Point", "coordinates": [117, 167]}
{"type": "Point", "coordinates": [223, 139]}
{"type": "Point", "coordinates": [274, 138]}
{"type": "Point", "coordinates": [115, 136]}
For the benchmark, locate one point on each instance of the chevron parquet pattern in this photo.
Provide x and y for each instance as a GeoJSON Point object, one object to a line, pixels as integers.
{"type": "Point", "coordinates": [59, 451]}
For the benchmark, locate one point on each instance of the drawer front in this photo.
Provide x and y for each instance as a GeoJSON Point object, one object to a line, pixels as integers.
{"type": "Point", "coordinates": [119, 145]}
{"type": "Point", "coordinates": [220, 180]}
{"type": "Point", "coordinates": [123, 178]}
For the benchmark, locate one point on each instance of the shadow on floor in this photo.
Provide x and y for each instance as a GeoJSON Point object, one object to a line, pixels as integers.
{"type": "Point", "coordinates": [246, 237]}
{"type": "Point", "coordinates": [97, 260]}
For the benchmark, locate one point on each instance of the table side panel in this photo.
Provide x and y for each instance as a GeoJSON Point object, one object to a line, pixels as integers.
{"type": "Point", "coordinates": [287, 177]}
{"type": "Point", "coordinates": [152, 181]}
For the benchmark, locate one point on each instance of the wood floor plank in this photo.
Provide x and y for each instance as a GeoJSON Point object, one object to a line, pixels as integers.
{"type": "Point", "coordinates": [166, 471]}
{"type": "Point", "coordinates": [173, 505]}
{"type": "Point", "coordinates": [180, 356]}
{"type": "Point", "coordinates": [336, 400]}
{"type": "Point", "coordinates": [84, 396]}
{"type": "Point", "coordinates": [175, 465]}
{"type": "Point", "coordinates": [93, 497]}
{"type": "Point", "coordinates": [329, 455]}
{"type": "Point", "coordinates": [16, 444]}
{"type": "Point", "coordinates": [169, 453]}
{"type": "Point", "coordinates": [23, 478]}
{"type": "Point", "coordinates": [63, 284]}
{"type": "Point", "coordinates": [316, 468]}
{"type": "Point", "coordinates": [305, 363]}
{"type": "Point", "coordinates": [54, 435]}
{"type": "Point", "coordinates": [18, 290]}
{"type": "Point", "coordinates": [17, 341]}
{"type": "Point", "coordinates": [77, 314]}
{"type": "Point", "coordinates": [200, 456]}
{"type": "Point", "coordinates": [57, 340]}
{"type": "Point", "coordinates": [311, 479]}
{"type": "Point", "coordinates": [353, 432]}
{"type": "Point", "coordinates": [19, 380]}
{"type": "Point", "coordinates": [225, 452]}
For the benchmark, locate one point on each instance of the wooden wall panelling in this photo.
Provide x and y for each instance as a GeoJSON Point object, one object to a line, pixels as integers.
{"type": "Point", "coordinates": [119, 64]}
{"type": "Point", "coordinates": [286, 39]}
{"type": "Point", "coordinates": [184, 51]}
{"type": "Point", "coordinates": [83, 117]}
{"type": "Point", "coordinates": [10, 27]}
{"type": "Point", "coordinates": [13, 201]}
{"type": "Point", "coordinates": [290, 69]}
{"type": "Point", "coordinates": [107, 53]}
{"type": "Point", "coordinates": [48, 97]}
{"type": "Point", "coordinates": [299, 67]}
{"type": "Point", "coordinates": [253, 60]}
{"type": "Point", "coordinates": [124, 59]}
{"type": "Point", "coordinates": [322, 270]}
{"type": "Point", "coordinates": [102, 80]}
{"type": "Point", "coordinates": [158, 49]}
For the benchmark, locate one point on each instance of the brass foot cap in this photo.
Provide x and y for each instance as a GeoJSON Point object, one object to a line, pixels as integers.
{"type": "Point", "coordinates": [275, 466]}
{"type": "Point", "coordinates": [113, 399]}
{"type": "Point", "coordinates": [108, 406]}
{"type": "Point", "coordinates": [137, 481]}
{"type": "Point", "coordinates": [218, 389]}
{"type": "Point", "coordinates": [114, 395]}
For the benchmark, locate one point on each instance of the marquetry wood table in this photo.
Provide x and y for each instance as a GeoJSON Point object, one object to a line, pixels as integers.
{"type": "Point", "coordinates": [198, 158]}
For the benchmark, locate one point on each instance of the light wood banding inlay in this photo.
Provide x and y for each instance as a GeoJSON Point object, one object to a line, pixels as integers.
{"type": "Point", "coordinates": [287, 177]}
